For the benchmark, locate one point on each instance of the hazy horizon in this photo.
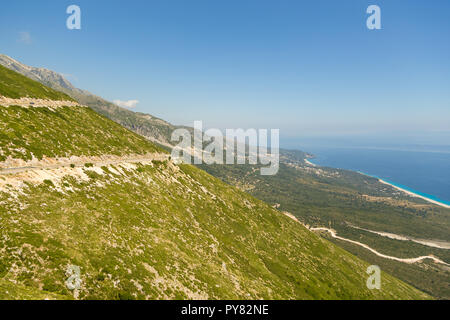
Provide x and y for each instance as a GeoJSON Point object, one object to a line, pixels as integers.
{"type": "Point", "coordinates": [307, 68]}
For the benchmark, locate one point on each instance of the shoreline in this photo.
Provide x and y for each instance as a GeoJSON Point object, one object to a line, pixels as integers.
{"type": "Point", "coordinates": [411, 193]}
{"type": "Point", "coordinates": [310, 163]}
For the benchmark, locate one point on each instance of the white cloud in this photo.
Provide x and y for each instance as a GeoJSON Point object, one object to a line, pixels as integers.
{"type": "Point", "coordinates": [24, 37]}
{"type": "Point", "coordinates": [130, 104]}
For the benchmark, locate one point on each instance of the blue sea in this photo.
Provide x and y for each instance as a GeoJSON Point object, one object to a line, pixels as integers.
{"type": "Point", "coordinates": [419, 163]}
{"type": "Point", "coordinates": [423, 172]}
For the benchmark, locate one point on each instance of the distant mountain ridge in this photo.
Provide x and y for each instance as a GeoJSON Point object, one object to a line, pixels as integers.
{"type": "Point", "coordinates": [46, 76]}
{"type": "Point", "coordinates": [155, 129]}
{"type": "Point", "coordinates": [28, 88]}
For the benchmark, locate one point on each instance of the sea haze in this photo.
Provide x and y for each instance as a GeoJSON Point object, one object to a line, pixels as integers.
{"type": "Point", "coordinates": [427, 172]}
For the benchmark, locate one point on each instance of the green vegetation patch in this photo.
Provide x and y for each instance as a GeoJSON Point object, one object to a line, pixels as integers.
{"type": "Point", "coordinates": [64, 132]}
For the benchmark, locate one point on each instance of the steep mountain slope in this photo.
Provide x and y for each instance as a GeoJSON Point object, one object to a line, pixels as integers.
{"type": "Point", "coordinates": [41, 75]}
{"type": "Point", "coordinates": [9, 290]}
{"type": "Point", "coordinates": [348, 201]}
{"type": "Point", "coordinates": [151, 229]}
{"type": "Point", "coordinates": [146, 125]}
{"type": "Point", "coordinates": [13, 85]}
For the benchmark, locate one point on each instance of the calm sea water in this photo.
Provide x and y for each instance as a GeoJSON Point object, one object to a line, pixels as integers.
{"type": "Point", "coordinates": [426, 173]}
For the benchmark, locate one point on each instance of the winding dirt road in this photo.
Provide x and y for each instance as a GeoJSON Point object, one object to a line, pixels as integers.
{"type": "Point", "coordinates": [440, 244]}
{"type": "Point", "coordinates": [82, 161]}
{"type": "Point", "coordinates": [33, 102]}
{"type": "Point", "coordinates": [410, 260]}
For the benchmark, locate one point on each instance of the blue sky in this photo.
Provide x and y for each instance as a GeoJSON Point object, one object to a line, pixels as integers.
{"type": "Point", "coordinates": [306, 67]}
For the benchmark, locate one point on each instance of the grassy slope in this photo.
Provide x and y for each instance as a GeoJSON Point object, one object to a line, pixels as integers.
{"type": "Point", "coordinates": [143, 124]}
{"type": "Point", "coordinates": [163, 231]}
{"type": "Point", "coordinates": [14, 85]}
{"type": "Point", "coordinates": [321, 199]}
{"type": "Point", "coordinates": [10, 290]}
{"type": "Point", "coordinates": [63, 132]}
{"type": "Point", "coordinates": [325, 199]}
{"type": "Point", "coordinates": [59, 132]}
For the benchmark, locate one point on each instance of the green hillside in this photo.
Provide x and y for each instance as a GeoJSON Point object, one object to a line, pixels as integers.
{"type": "Point", "coordinates": [14, 85]}
{"type": "Point", "coordinates": [324, 197]}
{"type": "Point", "coordinates": [152, 230]}
{"type": "Point", "coordinates": [9, 291]}
{"type": "Point", "coordinates": [162, 231]}
{"type": "Point", "coordinates": [64, 132]}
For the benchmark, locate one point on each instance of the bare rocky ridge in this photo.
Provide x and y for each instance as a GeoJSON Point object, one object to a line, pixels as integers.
{"type": "Point", "coordinates": [38, 74]}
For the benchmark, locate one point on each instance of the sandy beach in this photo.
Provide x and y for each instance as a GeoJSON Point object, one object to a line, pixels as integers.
{"type": "Point", "coordinates": [412, 194]}
{"type": "Point", "coordinates": [309, 163]}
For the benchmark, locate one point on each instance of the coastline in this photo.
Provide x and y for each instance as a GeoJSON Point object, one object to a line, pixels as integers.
{"type": "Point", "coordinates": [411, 193]}
{"type": "Point", "coordinates": [310, 163]}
